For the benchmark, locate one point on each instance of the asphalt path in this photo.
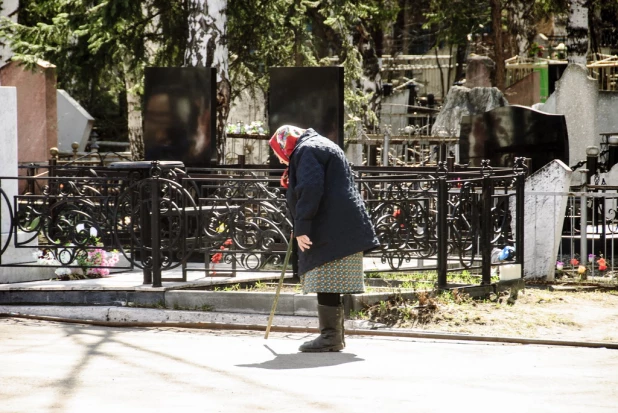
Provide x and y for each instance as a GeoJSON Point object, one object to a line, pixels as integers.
{"type": "Point", "coordinates": [58, 367]}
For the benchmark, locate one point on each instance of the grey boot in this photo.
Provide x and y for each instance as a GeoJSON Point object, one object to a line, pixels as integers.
{"type": "Point", "coordinates": [331, 331]}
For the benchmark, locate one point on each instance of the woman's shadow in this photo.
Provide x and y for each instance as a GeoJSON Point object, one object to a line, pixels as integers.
{"type": "Point", "coordinates": [303, 360]}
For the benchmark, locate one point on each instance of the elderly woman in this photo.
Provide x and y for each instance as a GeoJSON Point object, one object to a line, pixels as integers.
{"type": "Point", "coordinates": [331, 226]}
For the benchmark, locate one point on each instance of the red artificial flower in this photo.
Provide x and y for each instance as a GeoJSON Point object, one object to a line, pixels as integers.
{"type": "Point", "coordinates": [228, 242]}
{"type": "Point", "coordinates": [217, 257]}
{"type": "Point", "coordinates": [574, 261]}
{"type": "Point", "coordinates": [602, 264]}
{"type": "Point", "coordinates": [396, 213]}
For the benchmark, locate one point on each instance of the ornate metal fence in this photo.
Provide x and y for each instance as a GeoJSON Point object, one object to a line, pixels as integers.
{"type": "Point", "coordinates": [224, 220]}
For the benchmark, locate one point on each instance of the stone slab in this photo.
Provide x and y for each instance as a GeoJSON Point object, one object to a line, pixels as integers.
{"type": "Point", "coordinates": [479, 71]}
{"type": "Point", "coordinates": [13, 275]}
{"type": "Point", "coordinates": [576, 99]}
{"type": "Point", "coordinates": [462, 101]}
{"type": "Point", "coordinates": [74, 122]}
{"type": "Point", "coordinates": [305, 304]}
{"type": "Point", "coordinates": [8, 8]}
{"type": "Point", "coordinates": [525, 92]}
{"type": "Point", "coordinates": [544, 217]}
{"type": "Point", "coordinates": [37, 111]}
{"type": "Point", "coordinates": [238, 301]}
{"type": "Point", "coordinates": [23, 254]}
{"type": "Point", "coordinates": [607, 112]}
{"type": "Point", "coordinates": [8, 154]}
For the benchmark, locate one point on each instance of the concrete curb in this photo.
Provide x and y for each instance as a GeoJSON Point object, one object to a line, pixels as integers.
{"type": "Point", "coordinates": [142, 317]}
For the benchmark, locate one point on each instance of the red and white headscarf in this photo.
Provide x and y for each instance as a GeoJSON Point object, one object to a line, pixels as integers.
{"type": "Point", "coordinates": [283, 143]}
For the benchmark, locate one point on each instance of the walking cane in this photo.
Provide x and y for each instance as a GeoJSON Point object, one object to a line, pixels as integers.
{"type": "Point", "coordinates": [285, 265]}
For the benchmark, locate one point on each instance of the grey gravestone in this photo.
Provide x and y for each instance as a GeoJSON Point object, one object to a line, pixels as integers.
{"type": "Point", "coordinates": [394, 111]}
{"type": "Point", "coordinates": [548, 107]}
{"type": "Point", "coordinates": [8, 8]}
{"type": "Point", "coordinates": [462, 101]}
{"type": "Point", "coordinates": [611, 201]}
{"type": "Point", "coordinates": [545, 205]}
{"type": "Point", "coordinates": [180, 115]}
{"type": "Point", "coordinates": [74, 123]}
{"type": "Point", "coordinates": [576, 99]}
{"type": "Point", "coordinates": [607, 116]}
{"type": "Point", "coordinates": [504, 133]}
{"type": "Point", "coordinates": [354, 153]}
{"type": "Point", "coordinates": [479, 71]}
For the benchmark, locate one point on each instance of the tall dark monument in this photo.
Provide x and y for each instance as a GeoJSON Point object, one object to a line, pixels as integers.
{"type": "Point", "coordinates": [307, 97]}
{"type": "Point", "coordinates": [507, 132]}
{"type": "Point", "coordinates": [180, 115]}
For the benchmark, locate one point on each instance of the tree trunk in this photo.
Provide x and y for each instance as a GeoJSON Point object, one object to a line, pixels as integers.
{"type": "Point", "coordinates": [577, 32]}
{"type": "Point", "coordinates": [134, 114]}
{"type": "Point", "coordinates": [448, 72]}
{"type": "Point", "coordinates": [462, 50]}
{"type": "Point", "coordinates": [522, 26]}
{"type": "Point", "coordinates": [441, 72]}
{"type": "Point", "coordinates": [496, 25]}
{"type": "Point", "coordinates": [207, 47]}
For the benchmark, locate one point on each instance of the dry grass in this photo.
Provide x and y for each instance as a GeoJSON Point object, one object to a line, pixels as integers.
{"type": "Point", "coordinates": [574, 315]}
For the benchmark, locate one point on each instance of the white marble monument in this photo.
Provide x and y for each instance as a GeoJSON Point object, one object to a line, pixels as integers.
{"type": "Point", "coordinates": [576, 98]}
{"type": "Point", "coordinates": [8, 168]}
{"type": "Point", "coordinates": [545, 206]}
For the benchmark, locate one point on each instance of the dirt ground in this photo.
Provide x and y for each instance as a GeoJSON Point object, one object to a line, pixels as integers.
{"type": "Point", "coordinates": [566, 313]}
{"type": "Point", "coordinates": [564, 310]}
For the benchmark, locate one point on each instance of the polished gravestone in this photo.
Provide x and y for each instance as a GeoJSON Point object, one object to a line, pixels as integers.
{"type": "Point", "coordinates": [180, 115]}
{"type": "Point", "coordinates": [504, 133]}
{"type": "Point", "coordinates": [307, 97]}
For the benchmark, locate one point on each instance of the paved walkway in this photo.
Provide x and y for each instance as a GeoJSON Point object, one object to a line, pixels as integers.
{"type": "Point", "coordinates": [55, 367]}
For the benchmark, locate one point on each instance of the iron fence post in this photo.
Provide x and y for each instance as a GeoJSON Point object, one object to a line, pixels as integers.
{"type": "Point", "coordinates": [442, 225]}
{"type": "Point", "coordinates": [520, 189]}
{"type": "Point", "coordinates": [583, 219]}
{"type": "Point", "coordinates": [386, 148]}
{"type": "Point", "coordinates": [146, 229]}
{"type": "Point", "coordinates": [487, 225]}
{"type": "Point", "coordinates": [154, 225]}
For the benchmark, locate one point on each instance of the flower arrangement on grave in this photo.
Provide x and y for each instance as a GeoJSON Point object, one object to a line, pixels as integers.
{"type": "Point", "coordinates": [535, 50]}
{"type": "Point", "coordinates": [254, 128]}
{"type": "Point", "coordinates": [216, 258]}
{"type": "Point", "coordinates": [602, 264]}
{"type": "Point", "coordinates": [85, 259]}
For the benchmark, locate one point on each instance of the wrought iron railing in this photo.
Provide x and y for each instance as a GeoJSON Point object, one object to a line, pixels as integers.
{"type": "Point", "coordinates": [224, 220]}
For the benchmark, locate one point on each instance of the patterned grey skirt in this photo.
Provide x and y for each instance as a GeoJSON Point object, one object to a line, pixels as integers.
{"type": "Point", "coordinates": [344, 276]}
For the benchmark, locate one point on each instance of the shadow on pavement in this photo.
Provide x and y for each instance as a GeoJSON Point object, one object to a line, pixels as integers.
{"type": "Point", "coordinates": [304, 360]}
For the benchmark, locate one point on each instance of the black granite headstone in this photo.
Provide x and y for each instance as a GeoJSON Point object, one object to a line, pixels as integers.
{"type": "Point", "coordinates": [504, 133]}
{"type": "Point", "coordinates": [180, 115]}
{"type": "Point", "coordinates": [307, 97]}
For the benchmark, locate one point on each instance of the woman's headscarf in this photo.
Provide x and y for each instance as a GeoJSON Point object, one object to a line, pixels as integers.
{"type": "Point", "coordinates": [283, 143]}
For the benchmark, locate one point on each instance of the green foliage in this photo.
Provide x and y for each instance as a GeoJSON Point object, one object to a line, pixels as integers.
{"type": "Point", "coordinates": [95, 44]}
{"type": "Point", "coordinates": [453, 24]}
{"type": "Point", "coordinates": [267, 33]}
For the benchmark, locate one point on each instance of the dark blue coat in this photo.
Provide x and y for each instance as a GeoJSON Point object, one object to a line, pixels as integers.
{"type": "Point", "coordinates": [325, 204]}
